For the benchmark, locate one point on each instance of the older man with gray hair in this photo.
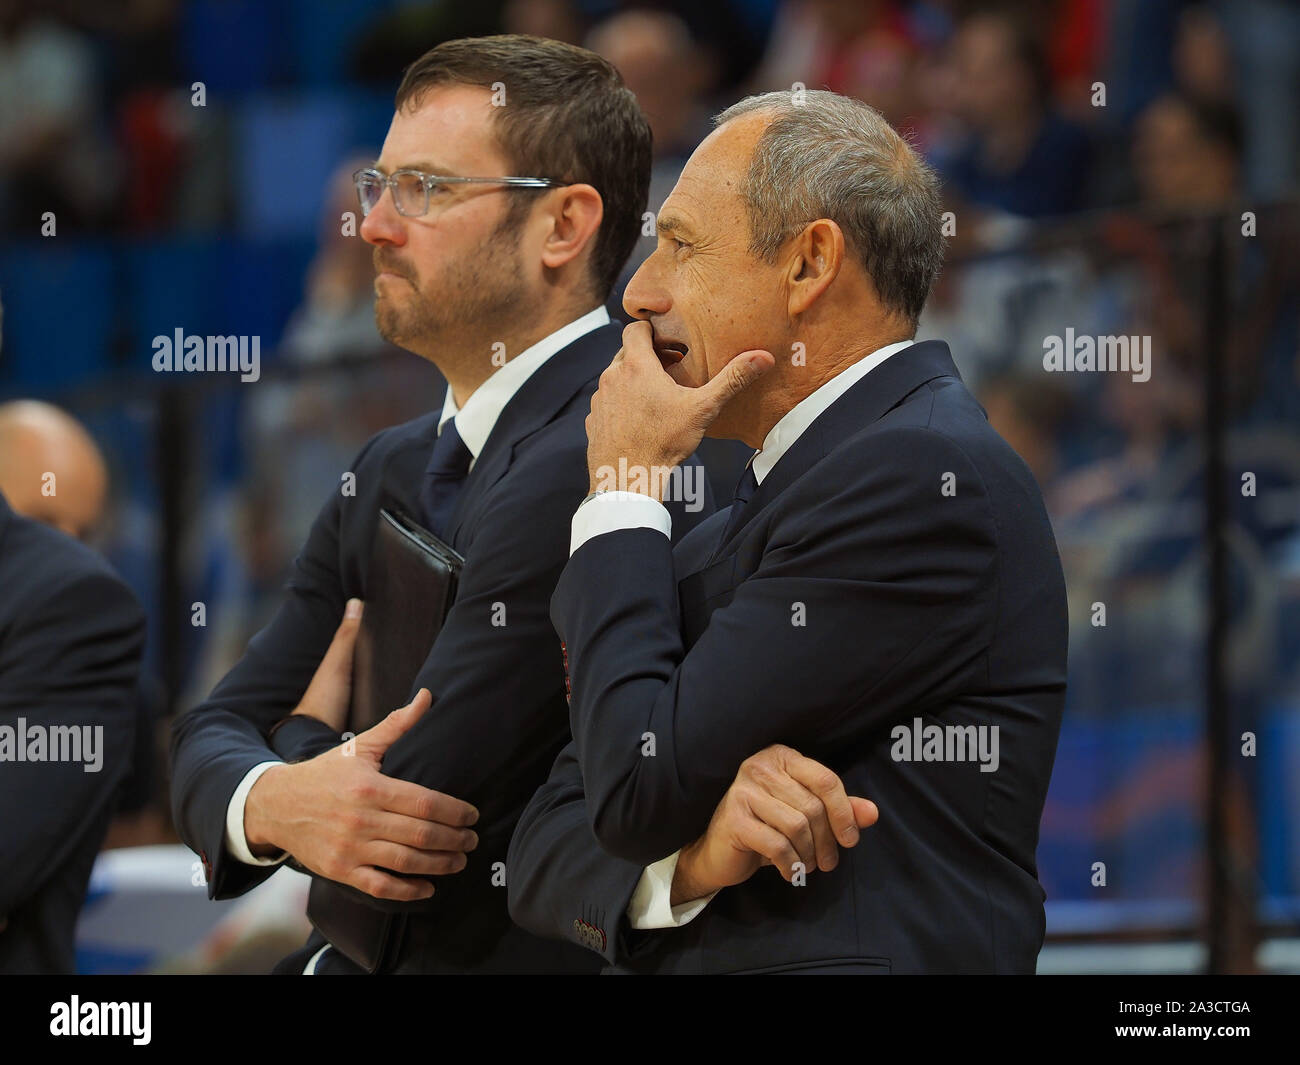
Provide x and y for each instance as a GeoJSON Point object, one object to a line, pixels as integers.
{"type": "Point", "coordinates": [880, 613]}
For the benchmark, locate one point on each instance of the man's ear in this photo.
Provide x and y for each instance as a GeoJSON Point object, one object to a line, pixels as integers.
{"type": "Point", "coordinates": [816, 256]}
{"type": "Point", "coordinates": [575, 212]}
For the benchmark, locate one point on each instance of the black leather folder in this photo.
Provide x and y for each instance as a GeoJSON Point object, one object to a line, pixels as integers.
{"type": "Point", "coordinates": [410, 587]}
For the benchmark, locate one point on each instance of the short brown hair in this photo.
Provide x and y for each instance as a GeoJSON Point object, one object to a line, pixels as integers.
{"type": "Point", "coordinates": [568, 116]}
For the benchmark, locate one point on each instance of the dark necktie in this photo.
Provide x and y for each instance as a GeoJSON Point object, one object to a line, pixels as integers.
{"type": "Point", "coordinates": [744, 490]}
{"type": "Point", "coordinates": [444, 478]}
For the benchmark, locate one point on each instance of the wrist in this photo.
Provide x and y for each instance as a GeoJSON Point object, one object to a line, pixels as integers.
{"type": "Point", "coordinates": [688, 883]}
{"type": "Point", "coordinates": [260, 824]}
{"type": "Point", "coordinates": [650, 479]}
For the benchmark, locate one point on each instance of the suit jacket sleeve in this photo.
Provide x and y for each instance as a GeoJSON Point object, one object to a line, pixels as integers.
{"type": "Point", "coordinates": [73, 661]}
{"type": "Point", "coordinates": [874, 588]}
{"type": "Point", "coordinates": [561, 884]}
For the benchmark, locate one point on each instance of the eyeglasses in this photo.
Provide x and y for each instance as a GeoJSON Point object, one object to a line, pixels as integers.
{"type": "Point", "coordinates": [412, 188]}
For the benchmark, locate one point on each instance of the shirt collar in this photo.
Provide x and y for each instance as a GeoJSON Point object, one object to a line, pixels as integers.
{"type": "Point", "coordinates": [797, 419]}
{"type": "Point", "coordinates": [475, 420]}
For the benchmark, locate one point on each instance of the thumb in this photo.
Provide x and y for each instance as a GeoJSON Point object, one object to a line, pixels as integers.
{"type": "Point", "coordinates": [740, 373]}
{"type": "Point", "coordinates": [865, 812]}
{"type": "Point", "coordinates": [376, 740]}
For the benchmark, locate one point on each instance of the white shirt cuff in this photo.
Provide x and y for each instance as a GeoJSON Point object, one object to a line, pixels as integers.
{"type": "Point", "coordinates": [611, 511]}
{"type": "Point", "coordinates": [236, 843]}
{"type": "Point", "coordinates": [651, 905]}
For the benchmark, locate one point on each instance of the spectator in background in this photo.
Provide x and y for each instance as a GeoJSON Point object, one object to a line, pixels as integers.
{"type": "Point", "coordinates": [557, 19]}
{"type": "Point", "coordinates": [1017, 154]}
{"type": "Point", "coordinates": [53, 472]}
{"type": "Point", "coordinates": [1264, 41]}
{"type": "Point", "coordinates": [71, 636]}
{"type": "Point", "coordinates": [1187, 153]}
{"type": "Point", "coordinates": [50, 156]}
{"type": "Point", "coordinates": [1154, 422]}
{"type": "Point", "coordinates": [867, 50]}
{"type": "Point", "coordinates": [50, 468]}
{"type": "Point", "coordinates": [1202, 56]}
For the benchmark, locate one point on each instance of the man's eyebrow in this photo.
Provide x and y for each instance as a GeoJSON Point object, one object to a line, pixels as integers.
{"type": "Point", "coordinates": [670, 224]}
{"type": "Point", "coordinates": [421, 164]}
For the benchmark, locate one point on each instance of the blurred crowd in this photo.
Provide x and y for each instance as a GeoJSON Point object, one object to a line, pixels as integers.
{"type": "Point", "coordinates": [1090, 151]}
{"type": "Point", "coordinates": [1032, 109]}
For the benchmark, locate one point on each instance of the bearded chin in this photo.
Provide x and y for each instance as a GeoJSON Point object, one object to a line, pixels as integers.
{"type": "Point", "coordinates": [481, 293]}
{"type": "Point", "coordinates": [406, 325]}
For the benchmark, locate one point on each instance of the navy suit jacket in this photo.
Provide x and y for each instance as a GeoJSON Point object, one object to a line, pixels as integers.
{"type": "Point", "coordinates": [896, 564]}
{"type": "Point", "coordinates": [71, 636]}
{"type": "Point", "coordinates": [499, 714]}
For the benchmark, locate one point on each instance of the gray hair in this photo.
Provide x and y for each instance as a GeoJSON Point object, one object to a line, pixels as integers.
{"type": "Point", "coordinates": [828, 156]}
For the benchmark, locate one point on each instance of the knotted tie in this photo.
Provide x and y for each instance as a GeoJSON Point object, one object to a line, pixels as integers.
{"type": "Point", "coordinates": [744, 490]}
{"type": "Point", "coordinates": [444, 478]}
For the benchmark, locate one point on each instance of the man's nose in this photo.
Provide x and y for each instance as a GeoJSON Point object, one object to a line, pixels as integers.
{"type": "Point", "coordinates": [383, 225]}
{"type": "Point", "coordinates": [645, 296]}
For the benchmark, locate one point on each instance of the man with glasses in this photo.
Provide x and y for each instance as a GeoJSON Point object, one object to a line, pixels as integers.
{"type": "Point", "coordinates": [508, 194]}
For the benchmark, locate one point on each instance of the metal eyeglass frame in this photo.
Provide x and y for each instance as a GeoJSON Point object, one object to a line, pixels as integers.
{"type": "Point", "coordinates": [429, 181]}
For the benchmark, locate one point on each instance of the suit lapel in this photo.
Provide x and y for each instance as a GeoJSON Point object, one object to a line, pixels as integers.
{"type": "Point", "coordinates": [535, 404]}
{"type": "Point", "coordinates": [538, 401]}
{"type": "Point", "coordinates": [866, 402]}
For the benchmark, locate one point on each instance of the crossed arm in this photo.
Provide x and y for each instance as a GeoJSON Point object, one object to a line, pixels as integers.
{"type": "Point", "coordinates": [890, 560]}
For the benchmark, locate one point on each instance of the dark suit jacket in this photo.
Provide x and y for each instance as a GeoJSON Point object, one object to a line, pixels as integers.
{"type": "Point", "coordinates": [856, 596]}
{"type": "Point", "coordinates": [71, 635]}
{"type": "Point", "coordinates": [500, 714]}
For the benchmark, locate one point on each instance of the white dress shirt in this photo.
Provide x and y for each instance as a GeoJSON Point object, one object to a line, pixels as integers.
{"type": "Point", "coordinates": [474, 422]}
{"type": "Point", "coordinates": [650, 905]}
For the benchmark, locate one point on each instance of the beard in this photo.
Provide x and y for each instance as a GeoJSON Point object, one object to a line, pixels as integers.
{"type": "Point", "coordinates": [470, 297]}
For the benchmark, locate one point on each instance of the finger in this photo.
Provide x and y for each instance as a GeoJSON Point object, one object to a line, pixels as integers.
{"type": "Point", "coordinates": [409, 860]}
{"type": "Point", "coordinates": [639, 347]}
{"type": "Point", "coordinates": [422, 835]}
{"type": "Point", "coordinates": [338, 655]}
{"type": "Point", "coordinates": [424, 804]}
{"type": "Point", "coordinates": [791, 791]}
{"type": "Point", "coordinates": [337, 664]}
{"type": "Point", "coordinates": [865, 811]}
{"type": "Point", "coordinates": [381, 885]}
{"type": "Point", "coordinates": [377, 739]}
{"type": "Point", "coordinates": [829, 790]}
{"type": "Point", "coordinates": [763, 839]}
{"type": "Point", "coordinates": [787, 820]}
{"type": "Point", "coordinates": [639, 337]}
{"type": "Point", "coordinates": [736, 376]}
